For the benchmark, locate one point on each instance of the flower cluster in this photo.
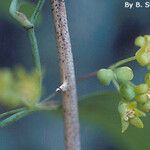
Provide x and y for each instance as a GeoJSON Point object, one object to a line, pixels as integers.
{"type": "Point", "coordinates": [130, 115]}
{"type": "Point", "coordinates": [135, 99]}
{"type": "Point", "coordinates": [143, 55]}
{"type": "Point", "coordinates": [19, 87]}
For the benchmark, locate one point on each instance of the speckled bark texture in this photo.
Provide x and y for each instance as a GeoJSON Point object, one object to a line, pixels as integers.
{"type": "Point", "coordinates": [70, 107]}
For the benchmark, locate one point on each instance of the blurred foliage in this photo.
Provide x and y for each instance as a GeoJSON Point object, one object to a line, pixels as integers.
{"type": "Point", "coordinates": [101, 109]}
{"type": "Point", "coordinates": [19, 87]}
{"type": "Point", "coordinates": [4, 6]}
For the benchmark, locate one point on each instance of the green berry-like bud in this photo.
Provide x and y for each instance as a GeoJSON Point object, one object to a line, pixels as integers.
{"type": "Point", "coordinates": [124, 74]}
{"type": "Point", "coordinates": [142, 58]}
{"type": "Point", "coordinates": [148, 83]}
{"type": "Point", "coordinates": [142, 98]}
{"type": "Point", "coordinates": [141, 89]}
{"type": "Point", "coordinates": [147, 77]}
{"type": "Point", "coordinates": [147, 39]}
{"type": "Point", "coordinates": [143, 55]}
{"type": "Point", "coordinates": [148, 67]}
{"type": "Point", "coordinates": [127, 92]}
{"type": "Point", "coordinates": [139, 41]}
{"type": "Point", "coordinates": [146, 107]}
{"type": "Point", "coordinates": [136, 121]}
{"type": "Point", "coordinates": [105, 76]}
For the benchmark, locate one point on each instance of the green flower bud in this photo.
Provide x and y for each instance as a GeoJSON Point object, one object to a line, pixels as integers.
{"type": "Point", "coordinates": [105, 76]}
{"type": "Point", "coordinates": [148, 83]}
{"type": "Point", "coordinates": [124, 73]}
{"type": "Point", "coordinates": [147, 77]}
{"type": "Point", "coordinates": [142, 57]}
{"type": "Point", "coordinates": [148, 67]}
{"type": "Point", "coordinates": [127, 92]}
{"type": "Point", "coordinates": [139, 41]}
{"type": "Point", "coordinates": [136, 121]}
{"type": "Point", "coordinates": [147, 40]}
{"type": "Point", "coordinates": [142, 98]}
{"type": "Point", "coordinates": [141, 89]}
{"type": "Point", "coordinates": [146, 107]}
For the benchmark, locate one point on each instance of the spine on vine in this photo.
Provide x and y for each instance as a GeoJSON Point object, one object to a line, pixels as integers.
{"type": "Point", "coordinates": [70, 106]}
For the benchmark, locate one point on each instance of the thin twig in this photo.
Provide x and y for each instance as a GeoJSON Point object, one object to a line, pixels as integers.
{"type": "Point", "coordinates": [35, 49]}
{"type": "Point", "coordinates": [70, 107]}
{"type": "Point", "coordinates": [87, 76]}
{"type": "Point", "coordinates": [121, 62]}
{"type": "Point", "coordinates": [117, 64]}
{"type": "Point", "coordinates": [50, 96]}
{"type": "Point", "coordinates": [48, 105]}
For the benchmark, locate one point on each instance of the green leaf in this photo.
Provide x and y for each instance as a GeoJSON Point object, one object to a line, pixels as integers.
{"type": "Point", "coordinates": [101, 110]}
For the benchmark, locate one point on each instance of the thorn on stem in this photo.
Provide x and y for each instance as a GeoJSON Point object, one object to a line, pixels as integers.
{"type": "Point", "coordinates": [63, 87]}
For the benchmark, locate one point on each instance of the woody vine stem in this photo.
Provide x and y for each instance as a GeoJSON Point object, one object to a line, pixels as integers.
{"type": "Point", "coordinates": [70, 107]}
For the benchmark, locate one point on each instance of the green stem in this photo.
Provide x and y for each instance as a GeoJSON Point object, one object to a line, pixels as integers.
{"type": "Point", "coordinates": [37, 11]}
{"type": "Point", "coordinates": [116, 85]}
{"type": "Point", "coordinates": [121, 62]}
{"type": "Point", "coordinates": [117, 64]}
{"type": "Point", "coordinates": [35, 53]}
{"type": "Point", "coordinates": [50, 107]}
{"type": "Point", "coordinates": [35, 49]}
{"type": "Point", "coordinates": [33, 40]}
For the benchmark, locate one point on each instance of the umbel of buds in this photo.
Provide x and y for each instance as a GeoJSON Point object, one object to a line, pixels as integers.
{"type": "Point", "coordinates": [134, 99]}
{"type": "Point", "coordinates": [105, 76]}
